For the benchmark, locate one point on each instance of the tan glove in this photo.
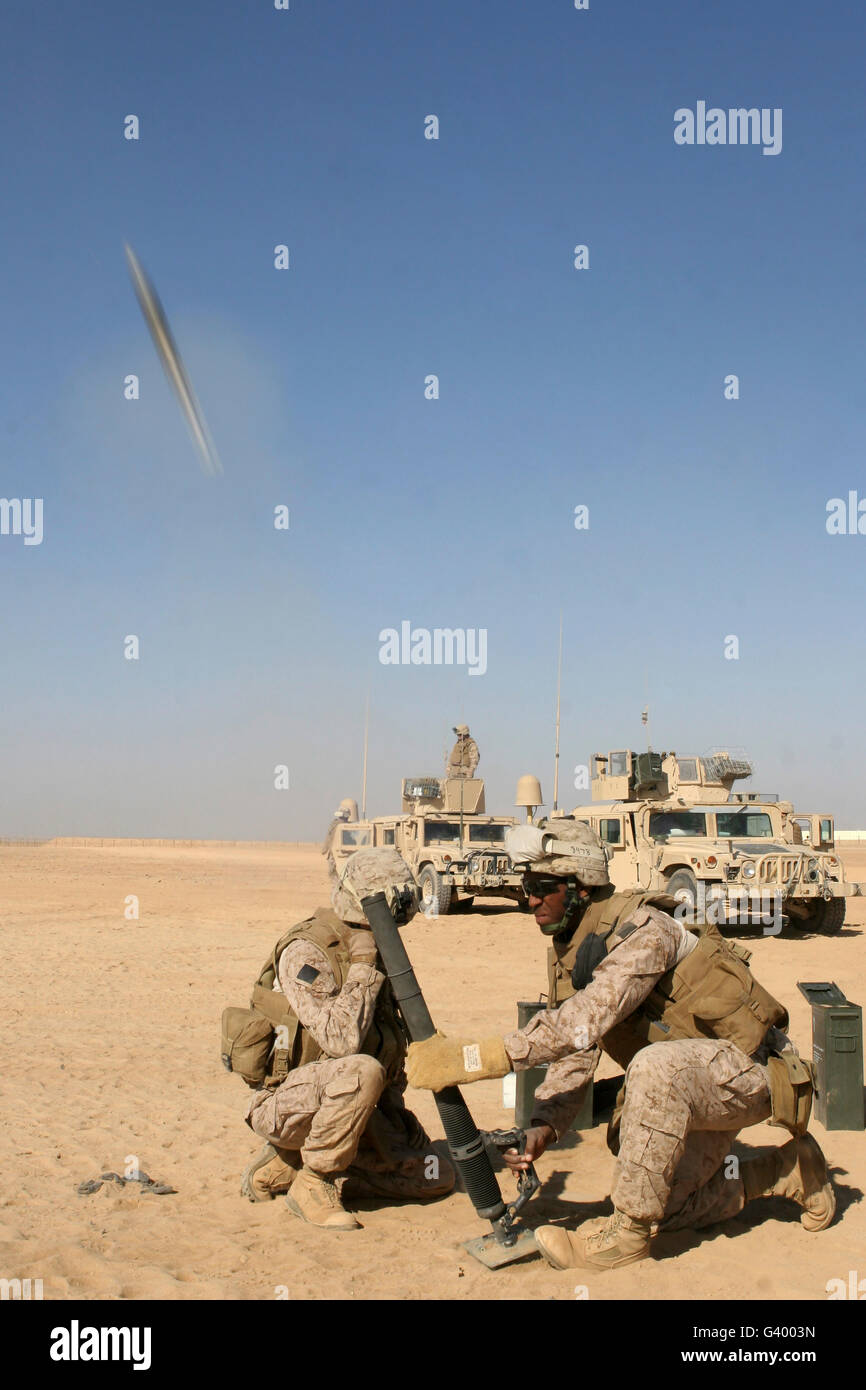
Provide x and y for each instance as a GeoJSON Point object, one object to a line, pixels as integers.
{"type": "Point", "coordinates": [441, 1061]}
{"type": "Point", "coordinates": [362, 947]}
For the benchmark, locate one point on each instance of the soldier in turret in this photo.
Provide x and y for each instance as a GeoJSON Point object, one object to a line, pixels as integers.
{"type": "Point", "coordinates": [700, 1040]}
{"type": "Point", "coordinates": [346, 811]}
{"type": "Point", "coordinates": [464, 756]}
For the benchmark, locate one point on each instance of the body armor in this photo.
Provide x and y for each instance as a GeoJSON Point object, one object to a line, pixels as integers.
{"type": "Point", "coordinates": [267, 1041]}
{"type": "Point", "coordinates": [711, 993]}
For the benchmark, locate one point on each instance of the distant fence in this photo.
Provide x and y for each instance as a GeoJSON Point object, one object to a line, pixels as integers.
{"type": "Point", "coordinates": [95, 842]}
{"type": "Point", "coordinates": [90, 842]}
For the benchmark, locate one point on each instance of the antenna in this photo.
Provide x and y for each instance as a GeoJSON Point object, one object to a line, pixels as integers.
{"type": "Point", "coordinates": [364, 775]}
{"type": "Point", "coordinates": [558, 692]}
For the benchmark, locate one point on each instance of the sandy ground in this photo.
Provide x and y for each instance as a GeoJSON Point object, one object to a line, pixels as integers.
{"type": "Point", "coordinates": [110, 1055]}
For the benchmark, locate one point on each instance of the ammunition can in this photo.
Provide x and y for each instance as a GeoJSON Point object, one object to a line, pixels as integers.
{"type": "Point", "coordinates": [528, 1080]}
{"type": "Point", "coordinates": [837, 1055]}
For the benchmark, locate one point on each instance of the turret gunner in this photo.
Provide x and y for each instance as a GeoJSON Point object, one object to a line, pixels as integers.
{"type": "Point", "coordinates": [464, 756]}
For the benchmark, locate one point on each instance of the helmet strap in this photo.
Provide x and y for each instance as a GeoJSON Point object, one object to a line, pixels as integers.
{"type": "Point", "coordinates": [575, 907]}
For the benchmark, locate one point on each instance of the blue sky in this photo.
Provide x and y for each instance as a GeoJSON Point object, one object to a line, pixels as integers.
{"type": "Point", "coordinates": [558, 387]}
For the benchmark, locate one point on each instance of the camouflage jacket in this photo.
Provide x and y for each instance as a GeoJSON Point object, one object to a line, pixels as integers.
{"type": "Point", "coordinates": [571, 1038]}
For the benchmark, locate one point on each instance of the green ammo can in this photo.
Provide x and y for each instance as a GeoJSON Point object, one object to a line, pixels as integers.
{"type": "Point", "coordinates": [837, 1055]}
{"type": "Point", "coordinates": [528, 1080]}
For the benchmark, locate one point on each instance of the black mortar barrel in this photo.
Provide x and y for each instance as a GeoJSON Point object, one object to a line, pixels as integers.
{"type": "Point", "coordinates": [464, 1140]}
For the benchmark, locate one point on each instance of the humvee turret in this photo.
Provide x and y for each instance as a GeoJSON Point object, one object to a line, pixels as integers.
{"type": "Point", "coordinates": [451, 845]}
{"type": "Point", "coordinates": [675, 825]}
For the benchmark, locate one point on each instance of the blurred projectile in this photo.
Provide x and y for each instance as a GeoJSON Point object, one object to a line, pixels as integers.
{"type": "Point", "coordinates": [170, 358]}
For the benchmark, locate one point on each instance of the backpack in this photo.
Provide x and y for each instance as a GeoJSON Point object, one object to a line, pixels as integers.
{"type": "Point", "coordinates": [266, 1041]}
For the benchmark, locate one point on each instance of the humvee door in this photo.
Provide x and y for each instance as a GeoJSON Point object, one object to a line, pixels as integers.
{"type": "Point", "coordinates": [348, 838]}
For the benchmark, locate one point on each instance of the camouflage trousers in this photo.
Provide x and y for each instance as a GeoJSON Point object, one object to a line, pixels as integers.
{"type": "Point", "coordinates": [684, 1103]}
{"type": "Point", "coordinates": [340, 1113]}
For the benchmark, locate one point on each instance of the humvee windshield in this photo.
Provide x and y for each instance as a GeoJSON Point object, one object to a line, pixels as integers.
{"type": "Point", "coordinates": [664, 824]}
{"type": "Point", "coordinates": [752, 825]}
{"type": "Point", "coordinates": [488, 834]}
{"type": "Point", "coordinates": [355, 837]}
{"type": "Point", "coordinates": [441, 832]}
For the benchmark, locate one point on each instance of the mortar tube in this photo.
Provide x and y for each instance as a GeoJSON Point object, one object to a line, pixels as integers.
{"type": "Point", "coordinates": [464, 1139]}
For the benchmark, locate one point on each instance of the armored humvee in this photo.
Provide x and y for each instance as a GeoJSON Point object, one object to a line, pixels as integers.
{"type": "Point", "coordinates": [447, 840]}
{"type": "Point", "coordinates": [675, 825]}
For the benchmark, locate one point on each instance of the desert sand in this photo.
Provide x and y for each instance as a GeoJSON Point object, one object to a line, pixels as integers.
{"type": "Point", "coordinates": [111, 1055]}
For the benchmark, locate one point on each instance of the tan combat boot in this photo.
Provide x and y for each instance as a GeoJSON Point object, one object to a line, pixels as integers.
{"type": "Point", "coordinates": [797, 1170]}
{"type": "Point", "coordinates": [270, 1174]}
{"type": "Point", "coordinates": [315, 1198]}
{"type": "Point", "coordinates": [621, 1240]}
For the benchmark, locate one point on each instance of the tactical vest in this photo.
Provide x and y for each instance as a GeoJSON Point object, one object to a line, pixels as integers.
{"type": "Point", "coordinates": [710, 994]}
{"type": "Point", "coordinates": [266, 1041]}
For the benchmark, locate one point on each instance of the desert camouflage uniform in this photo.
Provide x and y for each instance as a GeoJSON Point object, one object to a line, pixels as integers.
{"type": "Point", "coordinates": [684, 1100]}
{"type": "Point", "coordinates": [346, 1109]}
{"type": "Point", "coordinates": [464, 757]}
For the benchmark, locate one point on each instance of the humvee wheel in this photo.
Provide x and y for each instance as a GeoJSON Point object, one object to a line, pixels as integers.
{"type": "Point", "coordinates": [828, 916]}
{"type": "Point", "coordinates": [436, 895]}
{"type": "Point", "coordinates": [683, 885]}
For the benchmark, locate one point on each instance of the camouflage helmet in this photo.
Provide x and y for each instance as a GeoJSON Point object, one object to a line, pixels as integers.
{"type": "Point", "coordinates": [374, 871]}
{"type": "Point", "coordinates": [564, 848]}
{"type": "Point", "coordinates": [461, 728]}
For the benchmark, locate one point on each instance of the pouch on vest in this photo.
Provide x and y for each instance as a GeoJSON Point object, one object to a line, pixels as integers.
{"type": "Point", "coordinates": [727, 1001]}
{"type": "Point", "coordinates": [791, 1088]}
{"type": "Point", "coordinates": [273, 1004]}
{"type": "Point", "coordinates": [247, 1038]}
{"type": "Point", "coordinates": [711, 930]}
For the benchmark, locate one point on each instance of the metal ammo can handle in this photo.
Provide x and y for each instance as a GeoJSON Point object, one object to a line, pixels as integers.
{"type": "Point", "coordinates": [464, 1140]}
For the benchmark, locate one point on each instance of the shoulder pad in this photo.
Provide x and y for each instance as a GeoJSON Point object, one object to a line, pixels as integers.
{"type": "Point", "coordinates": [665, 902]}
{"type": "Point", "coordinates": [645, 912]}
{"type": "Point", "coordinates": [638, 918]}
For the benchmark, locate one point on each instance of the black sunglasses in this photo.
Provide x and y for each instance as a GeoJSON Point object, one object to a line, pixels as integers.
{"type": "Point", "coordinates": [540, 885]}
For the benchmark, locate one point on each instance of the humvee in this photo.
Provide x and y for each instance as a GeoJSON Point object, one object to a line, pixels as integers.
{"type": "Point", "coordinates": [674, 825]}
{"type": "Point", "coordinates": [449, 843]}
